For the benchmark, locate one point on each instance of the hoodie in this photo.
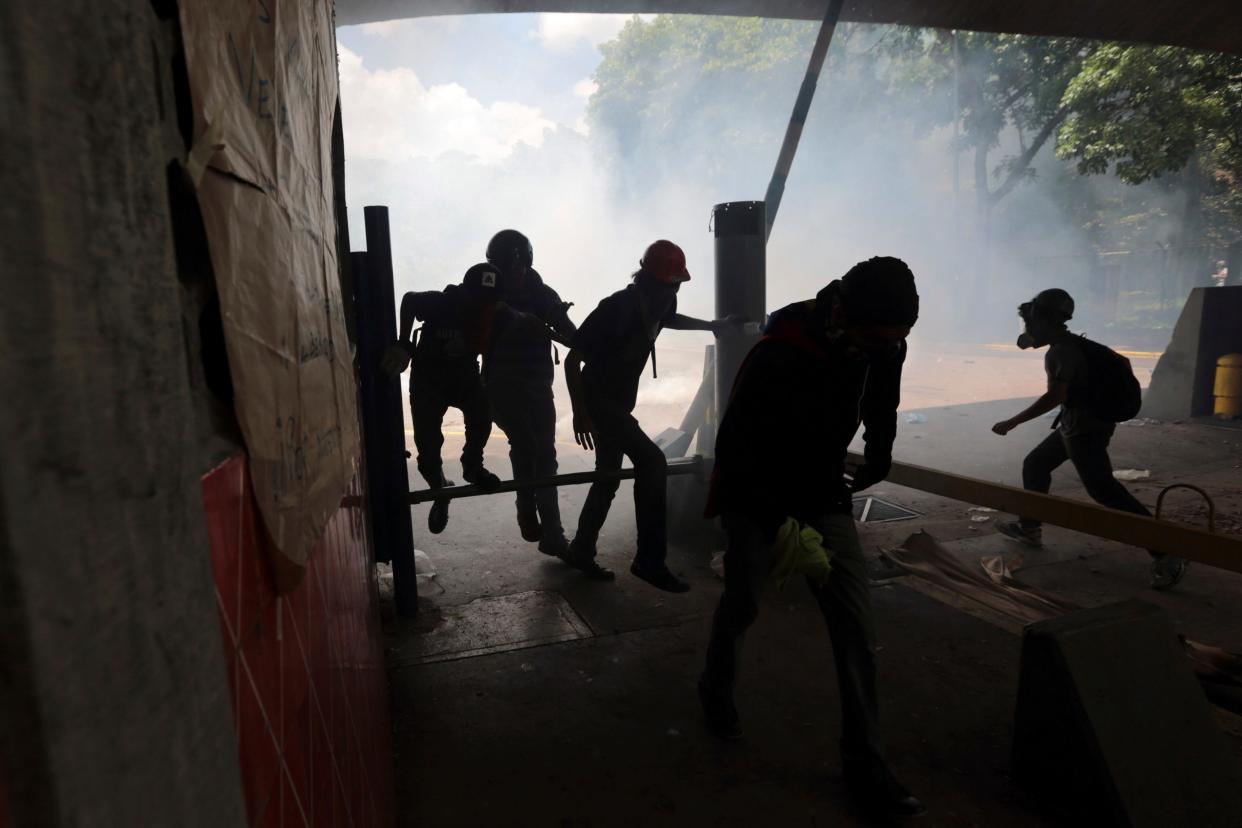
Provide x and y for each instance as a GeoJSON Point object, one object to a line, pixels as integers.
{"type": "Point", "coordinates": [796, 405]}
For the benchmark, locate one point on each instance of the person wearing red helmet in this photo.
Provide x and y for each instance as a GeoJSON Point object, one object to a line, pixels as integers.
{"type": "Point", "coordinates": [602, 370]}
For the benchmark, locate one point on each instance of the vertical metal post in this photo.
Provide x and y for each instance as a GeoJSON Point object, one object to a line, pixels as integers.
{"type": "Point", "coordinates": [741, 276]}
{"type": "Point", "coordinates": [802, 105]}
{"type": "Point", "coordinates": [387, 479]}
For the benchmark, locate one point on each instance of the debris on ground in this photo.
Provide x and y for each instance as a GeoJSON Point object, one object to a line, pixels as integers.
{"type": "Point", "coordinates": [383, 577]}
{"type": "Point", "coordinates": [914, 418]}
{"type": "Point", "coordinates": [979, 519]}
{"type": "Point", "coordinates": [1132, 474]}
{"type": "Point", "coordinates": [1141, 421]}
{"type": "Point", "coordinates": [983, 509]}
{"type": "Point", "coordinates": [423, 567]}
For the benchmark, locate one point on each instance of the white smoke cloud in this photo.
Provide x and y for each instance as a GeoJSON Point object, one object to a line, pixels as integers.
{"type": "Point", "coordinates": [585, 88]}
{"type": "Point", "coordinates": [561, 33]}
{"type": "Point", "coordinates": [390, 115]}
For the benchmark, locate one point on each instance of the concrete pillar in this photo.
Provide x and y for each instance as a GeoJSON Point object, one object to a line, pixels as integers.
{"type": "Point", "coordinates": [741, 283]}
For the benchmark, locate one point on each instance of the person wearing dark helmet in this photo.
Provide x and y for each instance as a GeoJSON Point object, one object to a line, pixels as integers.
{"type": "Point", "coordinates": [518, 378]}
{"type": "Point", "coordinates": [457, 324]}
{"type": "Point", "coordinates": [822, 367]}
{"type": "Point", "coordinates": [1078, 371]}
{"type": "Point", "coordinates": [614, 343]}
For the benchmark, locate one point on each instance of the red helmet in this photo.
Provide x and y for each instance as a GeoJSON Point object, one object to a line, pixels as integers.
{"type": "Point", "coordinates": [666, 262]}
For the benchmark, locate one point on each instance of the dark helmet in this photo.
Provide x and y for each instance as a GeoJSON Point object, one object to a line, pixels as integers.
{"type": "Point", "coordinates": [879, 291]}
{"type": "Point", "coordinates": [481, 278]}
{"type": "Point", "coordinates": [509, 247]}
{"type": "Point", "coordinates": [1053, 303]}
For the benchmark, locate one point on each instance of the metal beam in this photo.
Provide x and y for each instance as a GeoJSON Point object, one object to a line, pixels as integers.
{"type": "Point", "coordinates": [690, 465]}
{"type": "Point", "coordinates": [802, 105]}
{"type": "Point", "coordinates": [1203, 24]}
{"type": "Point", "coordinates": [1178, 539]}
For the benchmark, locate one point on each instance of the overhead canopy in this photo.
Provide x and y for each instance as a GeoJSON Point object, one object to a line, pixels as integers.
{"type": "Point", "coordinates": [1213, 25]}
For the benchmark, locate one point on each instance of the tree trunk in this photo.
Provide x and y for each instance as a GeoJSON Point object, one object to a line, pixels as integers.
{"type": "Point", "coordinates": [1191, 268]}
{"type": "Point", "coordinates": [983, 231]}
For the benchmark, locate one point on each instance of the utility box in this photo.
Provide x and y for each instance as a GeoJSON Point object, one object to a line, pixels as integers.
{"type": "Point", "coordinates": [1182, 384]}
{"type": "Point", "coordinates": [1112, 728]}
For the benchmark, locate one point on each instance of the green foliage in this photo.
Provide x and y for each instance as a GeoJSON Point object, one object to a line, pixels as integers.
{"type": "Point", "coordinates": [659, 76]}
{"type": "Point", "coordinates": [675, 83]}
{"type": "Point", "coordinates": [1149, 111]}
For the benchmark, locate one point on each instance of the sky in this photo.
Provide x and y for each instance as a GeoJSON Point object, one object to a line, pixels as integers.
{"type": "Point", "coordinates": [465, 125]}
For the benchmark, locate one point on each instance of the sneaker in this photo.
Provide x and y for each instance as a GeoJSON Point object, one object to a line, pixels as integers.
{"type": "Point", "coordinates": [555, 545]}
{"type": "Point", "coordinates": [437, 518]}
{"type": "Point", "coordinates": [876, 791]}
{"type": "Point", "coordinates": [659, 577]}
{"type": "Point", "coordinates": [584, 561]}
{"type": "Point", "coordinates": [1029, 535]}
{"type": "Point", "coordinates": [528, 522]}
{"type": "Point", "coordinates": [1167, 571]}
{"type": "Point", "coordinates": [481, 477]}
{"type": "Point", "coordinates": [721, 714]}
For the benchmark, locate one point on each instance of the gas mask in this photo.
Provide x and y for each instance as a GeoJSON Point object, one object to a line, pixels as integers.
{"type": "Point", "coordinates": [1026, 340]}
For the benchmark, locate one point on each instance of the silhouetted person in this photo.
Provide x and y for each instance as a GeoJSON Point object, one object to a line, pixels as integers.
{"type": "Point", "coordinates": [444, 374]}
{"type": "Point", "coordinates": [823, 366]}
{"type": "Point", "coordinates": [614, 343]}
{"type": "Point", "coordinates": [518, 377]}
{"type": "Point", "coordinates": [1081, 376]}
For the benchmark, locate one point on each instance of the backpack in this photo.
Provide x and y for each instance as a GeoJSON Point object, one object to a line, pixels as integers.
{"type": "Point", "coordinates": [1113, 392]}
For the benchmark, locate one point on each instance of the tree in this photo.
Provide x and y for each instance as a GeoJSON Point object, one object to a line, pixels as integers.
{"type": "Point", "coordinates": [711, 95]}
{"type": "Point", "coordinates": [1006, 86]}
{"type": "Point", "coordinates": [1145, 112]}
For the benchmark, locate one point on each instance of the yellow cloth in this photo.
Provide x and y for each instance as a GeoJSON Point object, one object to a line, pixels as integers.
{"type": "Point", "coordinates": [799, 550]}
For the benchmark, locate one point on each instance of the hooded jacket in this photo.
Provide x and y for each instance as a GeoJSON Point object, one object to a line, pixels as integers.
{"type": "Point", "coordinates": [796, 405]}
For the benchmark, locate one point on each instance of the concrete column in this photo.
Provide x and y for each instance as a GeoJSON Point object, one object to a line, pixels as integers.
{"type": "Point", "coordinates": [741, 282]}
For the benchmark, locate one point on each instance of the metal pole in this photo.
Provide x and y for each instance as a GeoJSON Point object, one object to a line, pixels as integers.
{"type": "Point", "coordinates": [693, 465]}
{"type": "Point", "coordinates": [383, 429]}
{"type": "Point", "coordinates": [793, 132]}
{"type": "Point", "coordinates": [741, 275]}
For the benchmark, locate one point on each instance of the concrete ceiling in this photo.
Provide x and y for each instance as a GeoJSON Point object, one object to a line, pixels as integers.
{"type": "Point", "coordinates": [1214, 25]}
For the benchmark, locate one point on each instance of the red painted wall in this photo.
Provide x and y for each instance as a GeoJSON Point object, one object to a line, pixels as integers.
{"type": "Point", "coordinates": [306, 669]}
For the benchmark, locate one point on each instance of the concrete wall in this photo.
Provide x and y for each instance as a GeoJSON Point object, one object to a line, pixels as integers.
{"type": "Point", "coordinates": [113, 689]}
{"type": "Point", "coordinates": [1210, 326]}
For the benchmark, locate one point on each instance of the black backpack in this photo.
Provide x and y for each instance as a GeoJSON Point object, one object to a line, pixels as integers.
{"type": "Point", "coordinates": [1113, 392]}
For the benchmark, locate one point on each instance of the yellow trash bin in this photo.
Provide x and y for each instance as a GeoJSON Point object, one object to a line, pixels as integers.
{"type": "Point", "coordinates": [1228, 389]}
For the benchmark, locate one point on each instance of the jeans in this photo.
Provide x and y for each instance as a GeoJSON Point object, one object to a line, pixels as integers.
{"type": "Point", "coordinates": [617, 433]}
{"type": "Point", "coordinates": [845, 601]}
{"type": "Point", "coordinates": [525, 410]}
{"type": "Point", "coordinates": [428, 402]}
{"type": "Point", "coordinates": [1088, 452]}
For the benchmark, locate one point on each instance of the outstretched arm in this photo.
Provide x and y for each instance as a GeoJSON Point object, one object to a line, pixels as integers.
{"type": "Point", "coordinates": [1054, 396]}
{"type": "Point", "coordinates": [681, 322]}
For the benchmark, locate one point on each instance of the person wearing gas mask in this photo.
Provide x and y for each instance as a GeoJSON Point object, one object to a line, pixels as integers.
{"type": "Point", "coordinates": [614, 343]}
{"type": "Point", "coordinates": [823, 367]}
{"type": "Point", "coordinates": [1095, 390]}
{"type": "Point", "coordinates": [518, 377]}
{"type": "Point", "coordinates": [457, 325]}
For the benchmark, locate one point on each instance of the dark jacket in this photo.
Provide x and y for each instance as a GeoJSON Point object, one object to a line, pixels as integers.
{"type": "Point", "coordinates": [450, 339]}
{"type": "Point", "coordinates": [529, 358]}
{"type": "Point", "coordinates": [796, 405]}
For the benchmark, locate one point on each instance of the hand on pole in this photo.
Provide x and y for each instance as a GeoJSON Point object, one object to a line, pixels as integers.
{"type": "Point", "coordinates": [395, 359]}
